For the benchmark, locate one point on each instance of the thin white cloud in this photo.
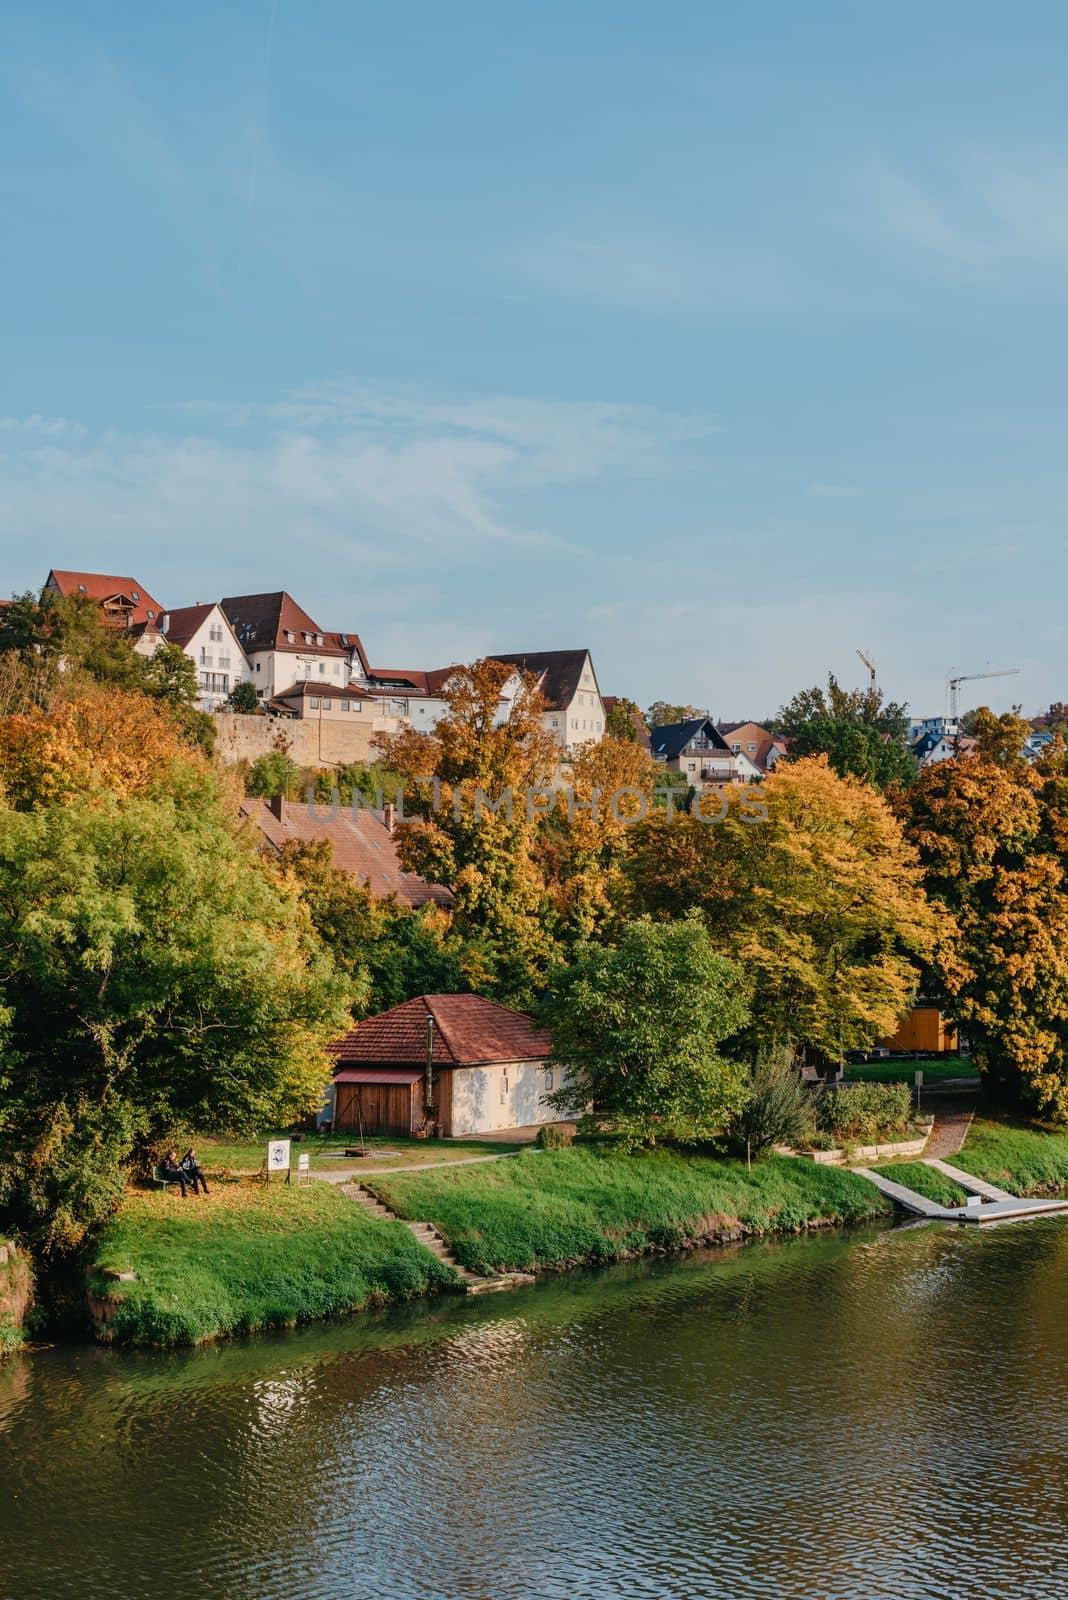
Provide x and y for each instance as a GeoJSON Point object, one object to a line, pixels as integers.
{"type": "Point", "coordinates": [375, 479]}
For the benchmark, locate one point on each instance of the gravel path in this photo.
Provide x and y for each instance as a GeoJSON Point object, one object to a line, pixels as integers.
{"type": "Point", "coordinates": [950, 1130]}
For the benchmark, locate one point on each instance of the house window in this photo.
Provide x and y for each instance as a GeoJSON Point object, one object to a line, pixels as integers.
{"type": "Point", "coordinates": [257, 666]}
{"type": "Point", "coordinates": [322, 668]}
{"type": "Point", "coordinates": [135, 596]}
{"type": "Point", "coordinates": [313, 702]}
{"type": "Point", "coordinates": [548, 1082]}
{"type": "Point", "coordinates": [151, 616]}
{"type": "Point", "coordinates": [344, 705]}
{"type": "Point", "coordinates": [692, 766]}
{"type": "Point", "coordinates": [750, 747]}
{"type": "Point", "coordinates": [504, 1088]}
{"type": "Point", "coordinates": [215, 633]}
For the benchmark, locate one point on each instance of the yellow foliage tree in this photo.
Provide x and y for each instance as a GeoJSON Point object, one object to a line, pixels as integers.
{"type": "Point", "coordinates": [105, 740]}
{"type": "Point", "coordinates": [820, 899]}
{"type": "Point", "coordinates": [101, 741]}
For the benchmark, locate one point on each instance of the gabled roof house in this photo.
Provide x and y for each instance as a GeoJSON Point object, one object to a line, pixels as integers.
{"type": "Point", "coordinates": [489, 1068]}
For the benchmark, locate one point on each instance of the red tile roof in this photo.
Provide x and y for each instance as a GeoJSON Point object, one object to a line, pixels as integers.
{"type": "Point", "coordinates": [348, 642]}
{"type": "Point", "coordinates": [468, 1031]}
{"type": "Point", "coordinates": [362, 846]}
{"type": "Point", "coordinates": [101, 586]}
{"type": "Point", "coordinates": [401, 680]}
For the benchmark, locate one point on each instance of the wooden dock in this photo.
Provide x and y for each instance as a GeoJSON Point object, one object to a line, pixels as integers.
{"type": "Point", "coordinates": [986, 1203]}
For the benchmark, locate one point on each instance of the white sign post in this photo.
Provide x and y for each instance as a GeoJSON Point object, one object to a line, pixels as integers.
{"type": "Point", "coordinates": [277, 1157]}
{"type": "Point", "coordinates": [303, 1169]}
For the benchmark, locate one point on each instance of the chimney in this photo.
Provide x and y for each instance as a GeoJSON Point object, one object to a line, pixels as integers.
{"type": "Point", "coordinates": [389, 816]}
{"type": "Point", "coordinates": [276, 805]}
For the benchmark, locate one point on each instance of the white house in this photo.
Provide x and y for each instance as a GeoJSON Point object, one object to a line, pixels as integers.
{"type": "Point", "coordinates": [455, 1064]}
{"type": "Point", "coordinates": [574, 710]}
{"type": "Point", "coordinates": [285, 646]}
{"type": "Point", "coordinates": [204, 633]}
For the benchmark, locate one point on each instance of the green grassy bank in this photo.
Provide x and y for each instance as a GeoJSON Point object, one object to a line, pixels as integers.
{"type": "Point", "coordinates": [247, 1257]}
{"type": "Point", "coordinates": [558, 1207]}
{"type": "Point", "coordinates": [1024, 1160]}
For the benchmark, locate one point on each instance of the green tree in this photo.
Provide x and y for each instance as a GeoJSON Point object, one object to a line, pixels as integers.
{"type": "Point", "coordinates": [618, 723]}
{"type": "Point", "coordinates": [861, 735]}
{"type": "Point", "coordinates": [170, 677]}
{"type": "Point", "coordinates": [661, 714]}
{"type": "Point", "coordinates": [387, 952]}
{"type": "Point", "coordinates": [779, 1108]}
{"type": "Point", "coordinates": [486, 856]}
{"type": "Point", "coordinates": [274, 774]}
{"type": "Point", "coordinates": [243, 698]}
{"type": "Point", "coordinates": [636, 1030]}
{"type": "Point", "coordinates": [153, 978]}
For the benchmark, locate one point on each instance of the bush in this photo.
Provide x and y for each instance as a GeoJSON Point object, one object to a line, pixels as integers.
{"type": "Point", "coordinates": [779, 1109]}
{"type": "Point", "coordinates": [550, 1137]}
{"type": "Point", "coordinates": [865, 1113]}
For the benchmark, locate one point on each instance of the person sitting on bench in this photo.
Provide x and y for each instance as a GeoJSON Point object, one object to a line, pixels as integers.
{"type": "Point", "coordinates": [193, 1170]}
{"type": "Point", "coordinates": [171, 1172]}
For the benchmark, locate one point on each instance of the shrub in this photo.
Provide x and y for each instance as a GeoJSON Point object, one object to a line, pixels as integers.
{"type": "Point", "coordinates": [551, 1137]}
{"type": "Point", "coordinates": [865, 1113]}
{"type": "Point", "coordinates": [779, 1109]}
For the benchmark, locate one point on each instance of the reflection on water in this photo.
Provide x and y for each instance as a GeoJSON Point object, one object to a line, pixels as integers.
{"type": "Point", "coordinates": [878, 1415]}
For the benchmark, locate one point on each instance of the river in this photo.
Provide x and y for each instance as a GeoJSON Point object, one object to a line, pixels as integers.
{"type": "Point", "coordinates": [848, 1417]}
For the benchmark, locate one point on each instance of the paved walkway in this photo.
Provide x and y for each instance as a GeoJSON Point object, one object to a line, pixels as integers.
{"type": "Point", "coordinates": [989, 1191]}
{"type": "Point", "coordinates": [346, 1174]}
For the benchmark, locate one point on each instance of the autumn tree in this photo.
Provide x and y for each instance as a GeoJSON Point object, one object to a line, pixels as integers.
{"type": "Point", "coordinates": [636, 1030]}
{"type": "Point", "coordinates": [861, 735]}
{"type": "Point", "coordinates": [992, 838]}
{"type": "Point", "coordinates": [103, 741]}
{"type": "Point", "coordinates": [584, 843]}
{"type": "Point", "coordinates": [812, 888]}
{"type": "Point", "coordinates": [479, 822]}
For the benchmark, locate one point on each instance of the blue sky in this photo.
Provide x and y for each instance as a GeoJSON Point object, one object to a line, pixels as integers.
{"type": "Point", "coordinates": [723, 340]}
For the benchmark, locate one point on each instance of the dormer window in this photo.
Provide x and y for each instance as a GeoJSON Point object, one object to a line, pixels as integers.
{"type": "Point", "coordinates": [318, 638]}
{"type": "Point", "coordinates": [291, 637]}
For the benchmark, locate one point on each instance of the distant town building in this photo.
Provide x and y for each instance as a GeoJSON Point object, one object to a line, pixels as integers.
{"type": "Point", "coordinates": [204, 633]}
{"type": "Point", "coordinates": [574, 710]}
{"type": "Point", "coordinates": [698, 751]}
{"type": "Point", "coordinates": [362, 845]}
{"type": "Point", "coordinates": [125, 604]}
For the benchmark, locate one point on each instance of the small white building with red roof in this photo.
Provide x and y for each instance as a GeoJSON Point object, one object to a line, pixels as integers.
{"type": "Point", "coordinates": [449, 1064]}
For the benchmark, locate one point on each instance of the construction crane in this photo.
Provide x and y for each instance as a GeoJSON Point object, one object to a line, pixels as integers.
{"type": "Point", "coordinates": [869, 664]}
{"type": "Point", "coordinates": [969, 677]}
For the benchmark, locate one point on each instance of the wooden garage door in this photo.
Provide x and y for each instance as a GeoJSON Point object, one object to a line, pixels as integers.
{"type": "Point", "coordinates": [385, 1107]}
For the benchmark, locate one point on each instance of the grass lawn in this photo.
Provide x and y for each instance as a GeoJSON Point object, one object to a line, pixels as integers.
{"type": "Point", "coordinates": [1023, 1159]}
{"type": "Point", "coordinates": [927, 1181]}
{"type": "Point", "coordinates": [558, 1207]}
{"type": "Point", "coordinates": [249, 1257]}
{"type": "Point", "coordinates": [935, 1069]}
{"type": "Point", "coordinates": [220, 1154]}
